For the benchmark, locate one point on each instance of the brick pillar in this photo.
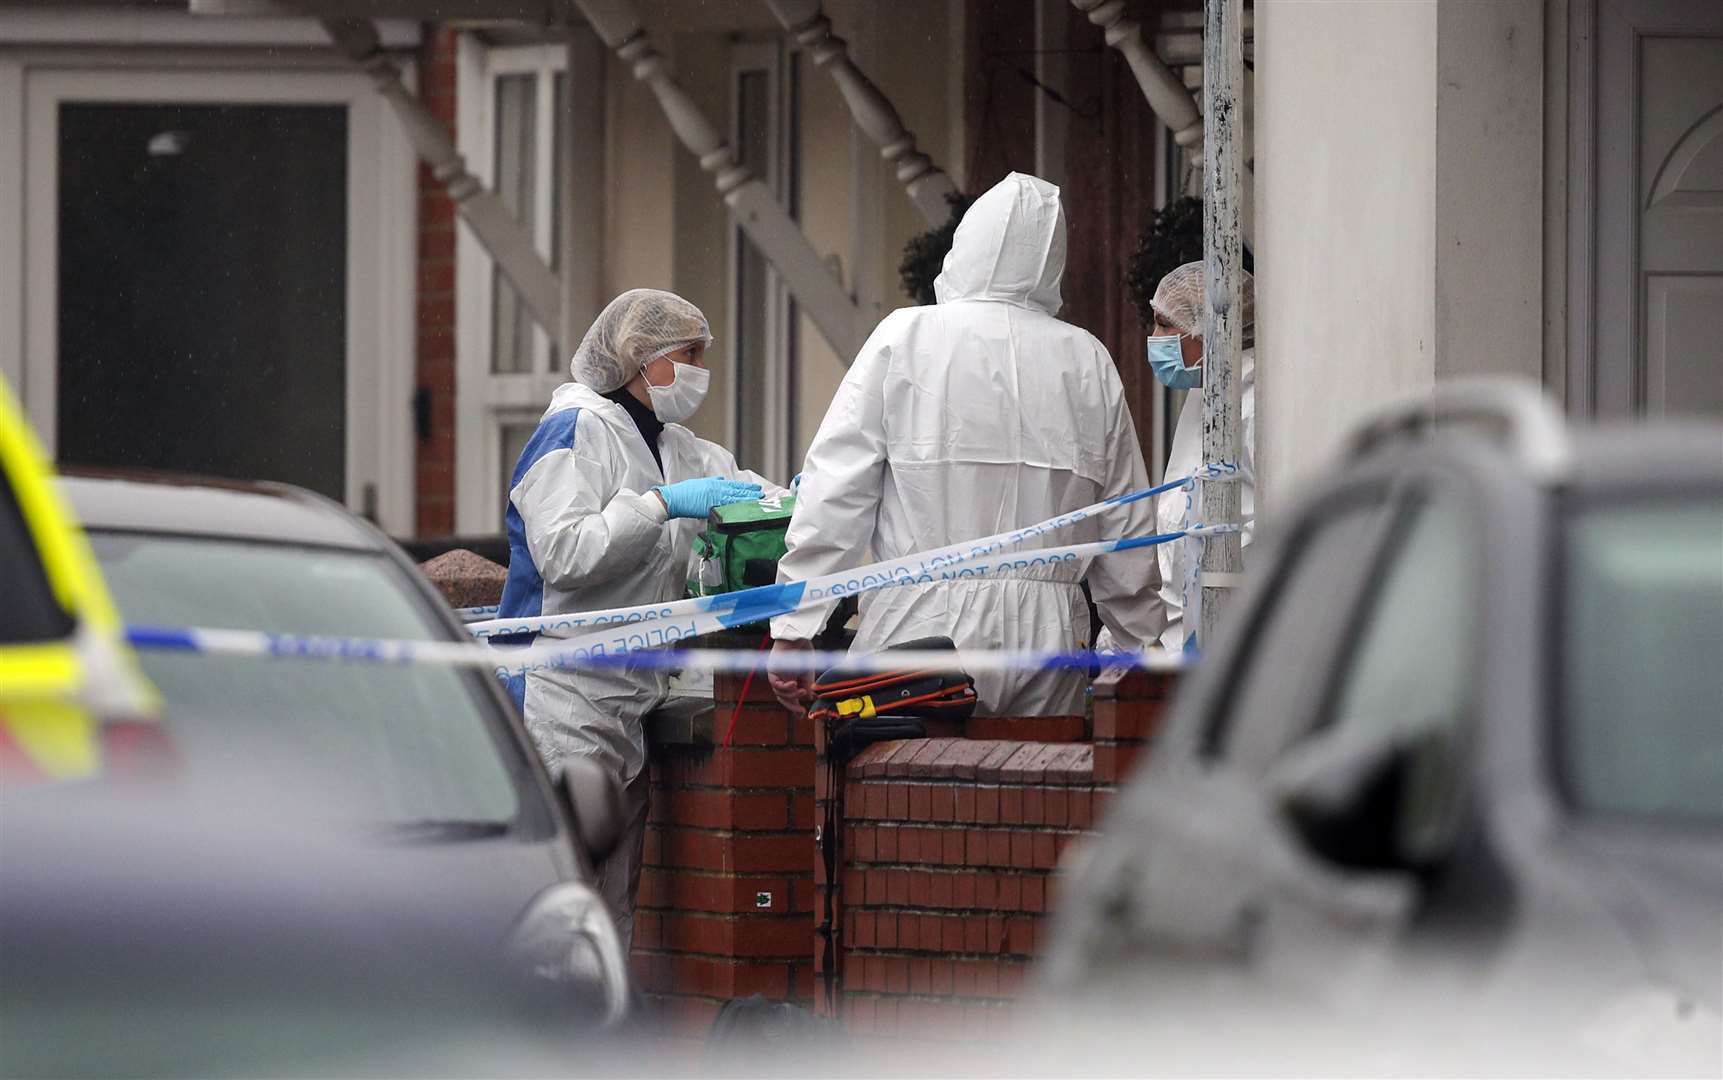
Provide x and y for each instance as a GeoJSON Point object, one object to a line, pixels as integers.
{"type": "Point", "coordinates": [727, 891]}
{"type": "Point", "coordinates": [434, 469]}
{"type": "Point", "coordinates": [1128, 712]}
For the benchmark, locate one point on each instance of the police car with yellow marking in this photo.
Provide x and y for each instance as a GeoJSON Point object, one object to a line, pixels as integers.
{"type": "Point", "coordinates": [72, 701]}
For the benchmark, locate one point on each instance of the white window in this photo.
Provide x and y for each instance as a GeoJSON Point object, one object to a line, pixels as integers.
{"type": "Point", "coordinates": [764, 93]}
{"type": "Point", "coordinates": [507, 364]}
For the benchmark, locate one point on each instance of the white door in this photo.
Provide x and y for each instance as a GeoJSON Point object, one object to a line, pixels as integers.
{"type": "Point", "coordinates": [1660, 208]}
{"type": "Point", "coordinates": [216, 273]}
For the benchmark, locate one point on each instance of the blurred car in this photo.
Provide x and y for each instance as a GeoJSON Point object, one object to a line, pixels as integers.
{"type": "Point", "coordinates": [429, 761]}
{"type": "Point", "coordinates": [143, 936]}
{"type": "Point", "coordinates": [71, 697]}
{"type": "Point", "coordinates": [1449, 790]}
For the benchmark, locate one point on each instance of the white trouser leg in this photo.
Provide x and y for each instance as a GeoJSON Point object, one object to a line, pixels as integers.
{"type": "Point", "coordinates": [619, 874]}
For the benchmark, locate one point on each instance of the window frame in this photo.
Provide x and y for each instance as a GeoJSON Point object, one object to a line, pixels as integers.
{"type": "Point", "coordinates": [382, 205]}
{"type": "Point", "coordinates": [1554, 771]}
{"type": "Point", "coordinates": [1411, 498]}
{"type": "Point", "coordinates": [782, 177]}
{"type": "Point", "coordinates": [486, 401]}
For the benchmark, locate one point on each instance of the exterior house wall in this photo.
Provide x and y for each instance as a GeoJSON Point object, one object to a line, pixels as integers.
{"type": "Point", "coordinates": [639, 160]}
{"type": "Point", "coordinates": [1489, 189]}
{"type": "Point", "coordinates": [1400, 188]}
{"type": "Point", "coordinates": [434, 463]}
{"type": "Point", "coordinates": [668, 227]}
{"type": "Point", "coordinates": [700, 263]}
{"type": "Point", "coordinates": [1346, 130]}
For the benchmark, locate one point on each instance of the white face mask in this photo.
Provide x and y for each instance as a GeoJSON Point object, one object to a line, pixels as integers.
{"type": "Point", "coordinates": [680, 399]}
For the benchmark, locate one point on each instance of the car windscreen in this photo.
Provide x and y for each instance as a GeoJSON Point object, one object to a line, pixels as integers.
{"type": "Point", "coordinates": [410, 747]}
{"type": "Point", "coordinates": [1639, 694]}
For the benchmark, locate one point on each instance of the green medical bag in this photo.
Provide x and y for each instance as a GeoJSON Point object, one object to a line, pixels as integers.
{"type": "Point", "coordinates": [741, 546]}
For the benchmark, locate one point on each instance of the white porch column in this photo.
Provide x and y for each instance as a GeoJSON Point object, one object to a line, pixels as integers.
{"type": "Point", "coordinates": [503, 237]}
{"type": "Point", "coordinates": [926, 183]}
{"type": "Point", "coordinates": [1346, 274]}
{"type": "Point", "coordinates": [768, 226]}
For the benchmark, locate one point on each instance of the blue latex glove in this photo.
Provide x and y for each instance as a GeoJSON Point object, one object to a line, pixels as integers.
{"type": "Point", "coordinates": [697, 498]}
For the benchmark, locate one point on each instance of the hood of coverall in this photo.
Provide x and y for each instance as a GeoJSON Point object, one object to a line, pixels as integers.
{"type": "Point", "coordinates": [1010, 246]}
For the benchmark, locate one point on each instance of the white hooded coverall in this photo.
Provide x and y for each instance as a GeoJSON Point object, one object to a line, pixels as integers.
{"type": "Point", "coordinates": [980, 414]}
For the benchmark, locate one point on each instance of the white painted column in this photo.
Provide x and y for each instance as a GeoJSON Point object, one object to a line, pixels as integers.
{"type": "Point", "coordinates": [768, 226]}
{"type": "Point", "coordinates": [1345, 265]}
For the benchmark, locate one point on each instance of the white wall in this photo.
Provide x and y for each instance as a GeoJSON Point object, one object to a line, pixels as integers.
{"type": "Point", "coordinates": [1346, 183]}
{"type": "Point", "coordinates": [1489, 189]}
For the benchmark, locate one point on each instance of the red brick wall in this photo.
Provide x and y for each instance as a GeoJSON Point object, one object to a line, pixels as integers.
{"type": "Point", "coordinates": [1128, 712]}
{"type": "Point", "coordinates": [946, 873]}
{"type": "Point", "coordinates": [950, 848]}
{"type": "Point", "coordinates": [727, 825]}
{"type": "Point", "coordinates": [434, 474]}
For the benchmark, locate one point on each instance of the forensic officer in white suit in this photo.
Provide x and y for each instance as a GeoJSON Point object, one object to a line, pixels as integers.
{"type": "Point", "coordinates": [603, 508]}
{"type": "Point", "coordinates": [976, 415]}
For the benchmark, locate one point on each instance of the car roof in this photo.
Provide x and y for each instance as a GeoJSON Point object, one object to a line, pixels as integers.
{"type": "Point", "coordinates": [1652, 456]}
{"type": "Point", "coordinates": [204, 506]}
{"type": "Point", "coordinates": [1658, 455]}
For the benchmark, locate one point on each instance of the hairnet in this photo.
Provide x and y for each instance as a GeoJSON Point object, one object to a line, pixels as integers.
{"type": "Point", "coordinates": [633, 328]}
{"type": "Point", "coordinates": [1179, 301]}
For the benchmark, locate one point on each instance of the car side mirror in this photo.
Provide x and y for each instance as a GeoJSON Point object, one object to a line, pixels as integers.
{"type": "Point", "coordinates": [593, 797]}
{"type": "Point", "coordinates": [1190, 865]}
{"type": "Point", "coordinates": [1372, 796]}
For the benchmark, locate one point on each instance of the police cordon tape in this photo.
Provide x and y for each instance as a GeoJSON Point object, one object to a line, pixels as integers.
{"type": "Point", "coordinates": [643, 644]}
{"type": "Point", "coordinates": [620, 632]}
{"type": "Point", "coordinates": [591, 648]}
{"type": "Point", "coordinates": [210, 642]}
{"type": "Point", "coordinates": [751, 605]}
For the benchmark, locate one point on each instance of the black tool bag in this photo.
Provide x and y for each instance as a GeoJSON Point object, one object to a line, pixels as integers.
{"type": "Point", "coordinates": [863, 707]}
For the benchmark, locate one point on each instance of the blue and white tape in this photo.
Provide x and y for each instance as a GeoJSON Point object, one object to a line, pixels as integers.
{"type": "Point", "coordinates": [750, 605]}
{"type": "Point", "coordinates": [477, 614]}
{"type": "Point", "coordinates": [620, 636]}
{"type": "Point", "coordinates": [636, 644]}
{"type": "Point", "coordinates": [535, 657]}
{"type": "Point", "coordinates": [594, 646]}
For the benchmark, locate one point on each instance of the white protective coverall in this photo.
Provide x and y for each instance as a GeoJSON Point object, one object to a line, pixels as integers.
{"type": "Point", "coordinates": [597, 539]}
{"type": "Point", "coordinates": [974, 416]}
{"type": "Point", "coordinates": [1176, 509]}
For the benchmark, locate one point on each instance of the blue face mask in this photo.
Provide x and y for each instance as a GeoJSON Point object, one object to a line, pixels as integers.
{"type": "Point", "coordinates": [1167, 359]}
